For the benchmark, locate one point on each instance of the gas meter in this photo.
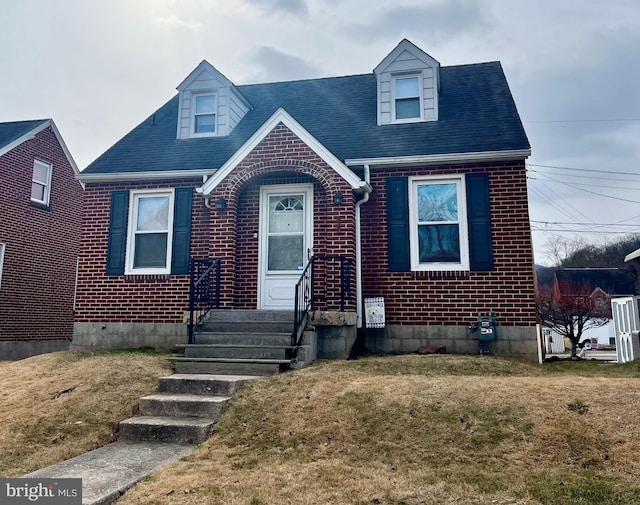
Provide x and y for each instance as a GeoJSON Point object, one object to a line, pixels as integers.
{"type": "Point", "coordinates": [486, 326]}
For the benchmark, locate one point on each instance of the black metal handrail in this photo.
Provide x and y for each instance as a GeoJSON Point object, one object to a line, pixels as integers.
{"type": "Point", "coordinates": [204, 289]}
{"type": "Point", "coordinates": [320, 289]}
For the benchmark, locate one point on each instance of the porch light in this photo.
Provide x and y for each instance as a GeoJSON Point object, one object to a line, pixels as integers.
{"type": "Point", "coordinates": [338, 198]}
{"type": "Point", "coordinates": [221, 204]}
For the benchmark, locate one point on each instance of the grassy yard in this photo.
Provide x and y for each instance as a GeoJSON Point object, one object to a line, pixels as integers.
{"type": "Point", "coordinates": [419, 430]}
{"type": "Point", "coordinates": [59, 405]}
{"type": "Point", "coordinates": [381, 430]}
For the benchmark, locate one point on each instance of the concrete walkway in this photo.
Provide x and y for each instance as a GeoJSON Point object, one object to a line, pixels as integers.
{"type": "Point", "coordinates": [108, 472]}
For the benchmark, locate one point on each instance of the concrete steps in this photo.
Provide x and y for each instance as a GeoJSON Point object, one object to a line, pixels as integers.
{"type": "Point", "coordinates": [253, 342]}
{"type": "Point", "coordinates": [184, 411]}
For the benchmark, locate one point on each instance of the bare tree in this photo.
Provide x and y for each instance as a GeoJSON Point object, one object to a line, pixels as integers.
{"type": "Point", "coordinates": [572, 311]}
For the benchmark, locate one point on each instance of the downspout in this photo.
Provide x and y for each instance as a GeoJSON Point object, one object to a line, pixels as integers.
{"type": "Point", "coordinates": [360, 203]}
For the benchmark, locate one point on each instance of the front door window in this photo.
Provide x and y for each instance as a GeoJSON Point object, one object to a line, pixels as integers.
{"type": "Point", "coordinates": [285, 249]}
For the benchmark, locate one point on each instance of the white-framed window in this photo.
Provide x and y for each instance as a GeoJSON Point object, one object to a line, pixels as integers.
{"type": "Point", "coordinates": [41, 182]}
{"type": "Point", "coordinates": [149, 238]}
{"type": "Point", "coordinates": [2, 249]}
{"type": "Point", "coordinates": [407, 98]}
{"type": "Point", "coordinates": [438, 224]}
{"type": "Point", "coordinates": [204, 114]}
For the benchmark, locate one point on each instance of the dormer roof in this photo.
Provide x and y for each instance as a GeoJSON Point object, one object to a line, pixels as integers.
{"type": "Point", "coordinates": [204, 72]}
{"type": "Point", "coordinates": [396, 55]}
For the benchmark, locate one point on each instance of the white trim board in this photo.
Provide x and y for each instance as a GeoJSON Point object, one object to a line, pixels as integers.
{"type": "Point", "coordinates": [434, 159]}
{"type": "Point", "coordinates": [281, 116]}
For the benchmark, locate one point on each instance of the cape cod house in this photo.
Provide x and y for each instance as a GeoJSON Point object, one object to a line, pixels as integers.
{"type": "Point", "coordinates": [40, 220]}
{"type": "Point", "coordinates": [406, 184]}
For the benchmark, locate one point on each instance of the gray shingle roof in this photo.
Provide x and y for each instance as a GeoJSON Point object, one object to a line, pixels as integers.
{"type": "Point", "coordinates": [14, 130]}
{"type": "Point", "coordinates": [476, 113]}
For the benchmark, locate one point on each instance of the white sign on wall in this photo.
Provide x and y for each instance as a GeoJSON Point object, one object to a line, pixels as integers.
{"type": "Point", "coordinates": [374, 312]}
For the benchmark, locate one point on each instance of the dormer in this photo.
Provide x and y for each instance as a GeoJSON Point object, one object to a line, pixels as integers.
{"type": "Point", "coordinates": [209, 104]}
{"type": "Point", "coordinates": [408, 86]}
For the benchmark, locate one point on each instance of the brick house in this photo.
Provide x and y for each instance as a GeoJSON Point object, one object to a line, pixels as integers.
{"type": "Point", "coordinates": [40, 221]}
{"type": "Point", "coordinates": [414, 174]}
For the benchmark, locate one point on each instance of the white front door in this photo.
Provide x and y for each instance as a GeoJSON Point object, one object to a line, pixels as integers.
{"type": "Point", "coordinates": [285, 237]}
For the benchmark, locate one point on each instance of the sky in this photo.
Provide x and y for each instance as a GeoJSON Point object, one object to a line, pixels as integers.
{"type": "Point", "coordinates": [99, 68]}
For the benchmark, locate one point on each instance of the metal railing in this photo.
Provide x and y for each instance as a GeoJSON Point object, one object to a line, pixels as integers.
{"type": "Point", "coordinates": [204, 290]}
{"type": "Point", "coordinates": [325, 284]}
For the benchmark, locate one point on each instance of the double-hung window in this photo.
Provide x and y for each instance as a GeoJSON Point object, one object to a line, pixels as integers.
{"type": "Point", "coordinates": [149, 239]}
{"type": "Point", "coordinates": [204, 114]}
{"type": "Point", "coordinates": [407, 103]}
{"type": "Point", "coordinates": [41, 182]}
{"type": "Point", "coordinates": [438, 224]}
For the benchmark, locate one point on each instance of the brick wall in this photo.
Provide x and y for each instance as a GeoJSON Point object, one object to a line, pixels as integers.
{"type": "Point", "coordinates": [281, 158]}
{"type": "Point", "coordinates": [228, 234]}
{"type": "Point", "coordinates": [449, 298]}
{"type": "Point", "coordinates": [131, 298]}
{"type": "Point", "coordinates": [36, 291]}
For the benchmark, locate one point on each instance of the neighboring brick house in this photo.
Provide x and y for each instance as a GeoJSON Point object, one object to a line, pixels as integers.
{"type": "Point", "coordinates": [415, 171]}
{"type": "Point", "coordinates": [40, 221]}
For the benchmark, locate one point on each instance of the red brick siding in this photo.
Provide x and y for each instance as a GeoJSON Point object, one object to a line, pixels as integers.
{"type": "Point", "coordinates": [446, 298]}
{"type": "Point", "coordinates": [36, 291]}
{"type": "Point", "coordinates": [131, 298]}
{"type": "Point", "coordinates": [281, 158]}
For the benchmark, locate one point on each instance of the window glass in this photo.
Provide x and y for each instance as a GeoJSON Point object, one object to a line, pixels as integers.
{"type": "Point", "coordinates": [153, 213]}
{"type": "Point", "coordinates": [438, 232]}
{"type": "Point", "coordinates": [150, 250]}
{"type": "Point", "coordinates": [205, 124]}
{"type": "Point", "coordinates": [205, 104]}
{"type": "Point", "coordinates": [205, 114]}
{"type": "Point", "coordinates": [150, 231]}
{"type": "Point", "coordinates": [286, 232]}
{"type": "Point", "coordinates": [407, 99]}
{"type": "Point", "coordinates": [40, 182]}
{"type": "Point", "coordinates": [407, 87]}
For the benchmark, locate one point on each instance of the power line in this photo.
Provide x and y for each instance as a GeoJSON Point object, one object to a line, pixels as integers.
{"type": "Point", "coordinates": [583, 169]}
{"type": "Point", "coordinates": [585, 224]}
{"type": "Point", "coordinates": [582, 120]}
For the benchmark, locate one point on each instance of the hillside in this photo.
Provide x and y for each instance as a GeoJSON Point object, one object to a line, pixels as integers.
{"type": "Point", "coordinates": [381, 430]}
{"type": "Point", "coordinates": [419, 430]}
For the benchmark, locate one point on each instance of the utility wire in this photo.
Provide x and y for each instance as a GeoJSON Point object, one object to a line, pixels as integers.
{"type": "Point", "coordinates": [583, 120]}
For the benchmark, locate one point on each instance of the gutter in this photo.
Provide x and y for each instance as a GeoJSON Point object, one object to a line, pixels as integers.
{"type": "Point", "coordinates": [137, 176]}
{"type": "Point", "coordinates": [433, 159]}
{"type": "Point", "coordinates": [360, 203]}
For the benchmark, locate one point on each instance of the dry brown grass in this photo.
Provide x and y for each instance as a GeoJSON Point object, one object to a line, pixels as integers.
{"type": "Point", "coordinates": [40, 425]}
{"type": "Point", "coordinates": [418, 430]}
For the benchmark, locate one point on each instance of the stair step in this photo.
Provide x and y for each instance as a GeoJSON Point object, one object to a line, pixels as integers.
{"type": "Point", "coordinates": [236, 351]}
{"type": "Point", "coordinates": [226, 366]}
{"type": "Point", "coordinates": [183, 405]}
{"type": "Point", "coordinates": [203, 383]}
{"type": "Point", "coordinates": [249, 315]}
{"type": "Point", "coordinates": [182, 430]}
{"type": "Point", "coordinates": [243, 338]}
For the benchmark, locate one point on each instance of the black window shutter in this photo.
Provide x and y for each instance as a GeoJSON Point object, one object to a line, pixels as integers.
{"type": "Point", "coordinates": [119, 215]}
{"type": "Point", "coordinates": [479, 219]}
{"type": "Point", "coordinates": [398, 224]}
{"type": "Point", "coordinates": [181, 231]}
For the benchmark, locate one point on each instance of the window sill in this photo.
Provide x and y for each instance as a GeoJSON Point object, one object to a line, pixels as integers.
{"type": "Point", "coordinates": [40, 205]}
{"type": "Point", "coordinates": [441, 274]}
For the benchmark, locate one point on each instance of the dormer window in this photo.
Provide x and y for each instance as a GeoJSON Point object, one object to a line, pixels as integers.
{"type": "Point", "coordinates": [407, 97]}
{"type": "Point", "coordinates": [408, 83]}
{"type": "Point", "coordinates": [204, 115]}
